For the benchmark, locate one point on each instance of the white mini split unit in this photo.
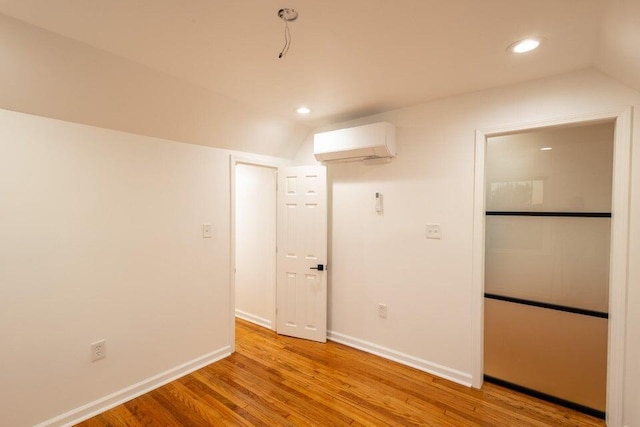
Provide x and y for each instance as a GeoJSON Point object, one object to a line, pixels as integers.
{"type": "Point", "coordinates": [374, 142]}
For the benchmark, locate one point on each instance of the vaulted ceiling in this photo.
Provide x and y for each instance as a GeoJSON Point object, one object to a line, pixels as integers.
{"type": "Point", "coordinates": [349, 58]}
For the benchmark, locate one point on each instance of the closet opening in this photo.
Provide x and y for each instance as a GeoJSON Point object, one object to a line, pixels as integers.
{"type": "Point", "coordinates": [547, 263]}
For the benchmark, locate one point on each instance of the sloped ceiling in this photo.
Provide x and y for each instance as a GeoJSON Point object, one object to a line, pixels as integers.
{"type": "Point", "coordinates": [348, 58]}
{"type": "Point", "coordinates": [619, 44]}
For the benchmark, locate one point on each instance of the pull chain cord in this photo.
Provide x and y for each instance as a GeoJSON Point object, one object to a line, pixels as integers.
{"type": "Point", "coordinates": [287, 39]}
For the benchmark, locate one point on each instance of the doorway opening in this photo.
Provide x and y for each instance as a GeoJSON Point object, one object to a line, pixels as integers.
{"type": "Point", "coordinates": [547, 245]}
{"type": "Point", "coordinates": [532, 190]}
{"type": "Point", "coordinates": [278, 244]}
{"type": "Point", "coordinates": [255, 243]}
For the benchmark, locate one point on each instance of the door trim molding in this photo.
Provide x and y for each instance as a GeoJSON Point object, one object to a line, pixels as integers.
{"type": "Point", "coordinates": [233, 161]}
{"type": "Point", "coordinates": [619, 255]}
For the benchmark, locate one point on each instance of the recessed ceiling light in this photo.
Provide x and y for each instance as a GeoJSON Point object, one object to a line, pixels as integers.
{"type": "Point", "coordinates": [303, 110]}
{"type": "Point", "coordinates": [546, 149]}
{"type": "Point", "coordinates": [526, 45]}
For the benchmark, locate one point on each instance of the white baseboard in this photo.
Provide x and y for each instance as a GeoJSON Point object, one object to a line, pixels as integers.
{"type": "Point", "coordinates": [119, 397]}
{"type": "Point", "coordinates": [405, 359]}
{"type": "Point", "coordinates": [260, 321]}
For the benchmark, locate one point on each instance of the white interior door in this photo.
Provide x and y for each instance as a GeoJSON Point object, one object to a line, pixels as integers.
{"type": "Point", "coordinates": [302, 253]}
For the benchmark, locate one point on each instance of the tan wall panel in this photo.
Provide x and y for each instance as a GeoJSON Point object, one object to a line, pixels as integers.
{"type": "Point", "coordinates": [574, 174]}
{"type": "Point", "coordinates": [562, 261]}
{"type": "Point", "coordinates": [557, 353]}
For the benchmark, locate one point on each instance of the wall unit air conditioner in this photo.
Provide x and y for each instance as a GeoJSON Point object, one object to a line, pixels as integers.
{"type": "Point", "coordinates": [368, 142]}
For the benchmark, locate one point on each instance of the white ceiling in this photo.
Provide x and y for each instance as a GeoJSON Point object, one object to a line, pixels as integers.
{"type": "Point", "coordinates": [348, 58]}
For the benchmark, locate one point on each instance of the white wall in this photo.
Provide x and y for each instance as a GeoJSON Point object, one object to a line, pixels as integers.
{"type": "Point", "coordinates": [101, 238]}
{"type": "Point", "coordinates": [427, 283]}
{"type": "Point", "coordinates": [49, 75]}
{"type": "Point", "coordinates": [255, 228]}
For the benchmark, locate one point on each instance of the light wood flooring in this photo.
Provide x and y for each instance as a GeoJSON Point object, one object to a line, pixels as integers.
{"type": "Point", "coordinates": [273, 380]}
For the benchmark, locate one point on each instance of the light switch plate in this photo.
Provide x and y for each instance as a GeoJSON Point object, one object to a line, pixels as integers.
{"type": "Point", "coordinates": [433, 231]}
{"type": "Point", "coordinates": [207, 231]}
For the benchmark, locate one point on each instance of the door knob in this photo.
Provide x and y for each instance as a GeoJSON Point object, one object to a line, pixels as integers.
{"type": "Point", "coordinates": [320, 267]}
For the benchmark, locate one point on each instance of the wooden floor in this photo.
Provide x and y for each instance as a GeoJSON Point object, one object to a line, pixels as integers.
{"type": "Point", "coordinates": [275, 380]}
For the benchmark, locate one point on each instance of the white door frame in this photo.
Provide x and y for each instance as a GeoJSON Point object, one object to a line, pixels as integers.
{"type": "Point", "coordinates": [619, 248]}
{"type": "Point", "coordinates": [233, 161]}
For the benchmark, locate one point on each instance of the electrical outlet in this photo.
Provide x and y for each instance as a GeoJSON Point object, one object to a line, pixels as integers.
{"type": "Point", "coordinates": [98, 350]}
{"type": "Point", "coordinates": [382, 311]}
{"type": "Point", "coordinates": [433, 231]}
